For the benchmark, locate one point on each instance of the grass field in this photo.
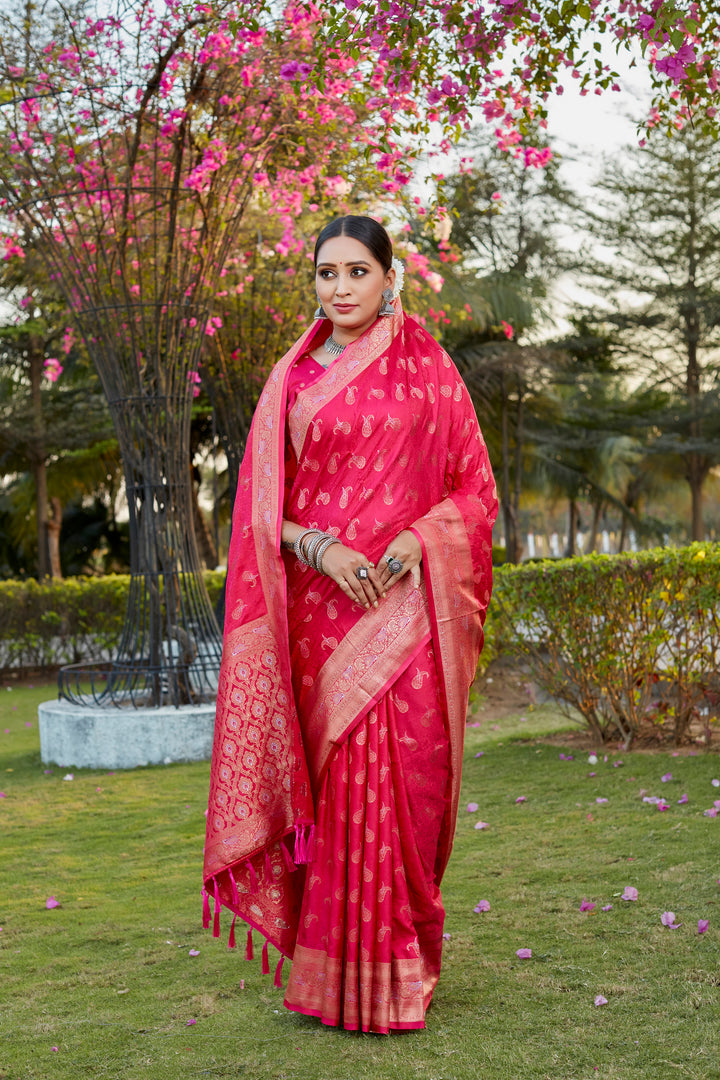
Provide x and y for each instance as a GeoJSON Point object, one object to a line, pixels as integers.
{"type": "Point", "coordinates": [104, 984]}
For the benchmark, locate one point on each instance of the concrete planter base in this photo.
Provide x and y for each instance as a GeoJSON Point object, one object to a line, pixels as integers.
{"type": "Point", "coordinates": [89, 737]}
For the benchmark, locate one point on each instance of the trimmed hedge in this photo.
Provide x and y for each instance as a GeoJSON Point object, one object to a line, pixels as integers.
{"type": "Point", "coordinates": [43, 626]}
{"type": "Point", "coordinates": [628, 640]}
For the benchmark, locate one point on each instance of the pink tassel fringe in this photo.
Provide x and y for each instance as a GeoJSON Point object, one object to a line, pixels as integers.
{"type": "Point", "coordinates": [265, 960]}
{"type": "Point", "coordinates": [206, 909]}
{"type": "Point", "coordinates": [278, 973]}
{"type": "Point", "coordinates": [216, 919]}
{"type": "Point", "coordinates": [231, 939]}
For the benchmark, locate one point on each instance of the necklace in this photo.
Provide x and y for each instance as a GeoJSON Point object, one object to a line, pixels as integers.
{"type": "Point", "coordinates": [333, 347]}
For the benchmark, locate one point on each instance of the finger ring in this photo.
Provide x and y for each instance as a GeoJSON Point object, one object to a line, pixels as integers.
{"type": "Point", "coordinates": [361, 573]}
{"type": "Point", "coordinates": [394, 565]}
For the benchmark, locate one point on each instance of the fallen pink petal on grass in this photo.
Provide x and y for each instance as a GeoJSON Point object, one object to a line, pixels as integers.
{"type": "Point", "coordinates": [715, 783]}
{"type": "Point", "coordinates": [587, 905]}
{"type": "Point", "coordinates": [482, 905]}
{"type": "Point", "coordinates": [662, 805]}
{"type": "Point", "coordinates": [189, 1023]}
{"type": "Point", "coordinates": [521, 798]}
{"type": "Point", "coordinates": [712, 812]}
{"type": "Point", "coordinates": [446, 937]}
{"type": "Point", "coordinates": [55, 1049]}
{"type": "Point", "coordinates": [472, 807]}
{"type": "Point", "coordinates": [523, 954]}
{"type": "Point", "coordinates": [703, 925]}
{"type": "Point", "coordinates": [630, 893]}
{"type": "Point", "coordinates": [600, 799]}
{"type": "Point", "coordinates": [665, 778]}
{"type": "Point", "coordinates": [480, 753]}
{"type": "Point", "coordinates": [682, 800]}
{"type": "Point", "coordinates": [194, 952]}
{"type": "Point", "coordinates": [668, 919]}
{"type": "Point", "coordinates": [600, 1000]}
{"type": "Point", "coordinates": [51, 902]}
{"type": "Point", "coordinates": [482, 825]}
{"type": "Point", "coordinates": [606, 907]}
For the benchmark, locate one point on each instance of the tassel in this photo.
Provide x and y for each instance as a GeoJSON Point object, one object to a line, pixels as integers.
{"type": "Point", "coordinates": [278, 973]}
{"type": "Point", "coordinates": [249, 952]}
{"type": "Point", "coordinates": [304, 836]}
{"type": "Point", "coordinates": [233, 887]}
{"type": "Point", "coordinates": [206, 909]}
{"type": "Point", "coordinates": [216, 920]}
{"type": "Point", "coordinates": [253, 877]}
{"type": "Point", "coordinates": [289, 864]}
{"type": "Point", "coordinates": [265, 960]}
{"type": "Point", "coordinates": [231, 939]}
{"type": "Point", "coordinates": [299, 855]}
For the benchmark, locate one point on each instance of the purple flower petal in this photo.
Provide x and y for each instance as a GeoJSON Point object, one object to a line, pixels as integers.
{"type": "Point", "coordinates": [662, 805]}
{"type": "Point", "coordinates": [668, 919]}
{"type": "Point", "coordinates": [665, 777]}
{"type": "Point", "coordinates": [521, 798]}
{"type": "Point", "coordinates": [600, 1000]}
{"type": "Point", "coordinates": [703, 925]}
{"type": "Point", "coordinates": [682, 800]}
{"type": "Point", "coordinates": [600, 800]}
{"type": "Point", "coordinates": [715, 783]}
{"type": "Point", "coordinates": [482, 825]}
{"type": "Point", "coordinates": [712, 812]}
{"type": "Point", "coordinates": [587, 905]}
{"type": "Point", "coordinates": [480, 753]}
{"type": "Point", "coordinates": [482, 905]}
{"type": "Point", "coordinates": [194, 952]}
{"type": "Point", "coordinates": [189, 1023]}
{"type": "Point", "coordinates": [630, 893]}
{"type": "Point", "coordinates": [446, 937]}
{"type": "Point", "coordinates": [523, 954]}
{"type": "Point", "coordinates": [472, 807]}
{"type": "Point", "coordinates": [51, 902]}
{"type": "Point", "coordinates": [607, 907]}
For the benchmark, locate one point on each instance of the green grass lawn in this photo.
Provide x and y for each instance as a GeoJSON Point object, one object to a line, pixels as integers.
{"type": "Point", "coordinates": [104, 985]}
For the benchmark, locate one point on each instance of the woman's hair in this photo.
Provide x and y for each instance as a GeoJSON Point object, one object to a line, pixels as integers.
{"type": "Point", "coordinates": [364, 229]}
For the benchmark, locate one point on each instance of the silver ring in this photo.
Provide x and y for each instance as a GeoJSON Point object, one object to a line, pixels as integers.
{"type": "Point", "coordinates": [394, 565]}
{"type": "Point", "coordinates": [361, 573]}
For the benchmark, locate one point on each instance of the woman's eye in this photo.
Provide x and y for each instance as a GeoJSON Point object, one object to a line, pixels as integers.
{"type": "Point", "coordinates": [325, 274]}
{"type": "Point", "coordinates": [357, 271]}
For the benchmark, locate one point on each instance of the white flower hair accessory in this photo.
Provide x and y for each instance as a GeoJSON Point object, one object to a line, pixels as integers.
{"type": "Point", "coordinates": [399, 269]}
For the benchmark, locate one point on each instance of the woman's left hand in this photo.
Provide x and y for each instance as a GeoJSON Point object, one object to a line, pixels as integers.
{"type": "Point", "coordinates": [406, 548]}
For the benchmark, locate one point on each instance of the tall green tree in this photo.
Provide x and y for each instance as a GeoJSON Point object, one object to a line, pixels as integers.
{"type": "Point", "coordinates": [656, 222]}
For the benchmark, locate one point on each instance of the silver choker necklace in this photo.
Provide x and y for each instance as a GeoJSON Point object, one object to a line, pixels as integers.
{"type": "Point", "coordinates": [333, 347]}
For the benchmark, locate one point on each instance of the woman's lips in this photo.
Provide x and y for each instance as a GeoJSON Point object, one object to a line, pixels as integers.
{"type": "Point", "coordinates": [343, 308]}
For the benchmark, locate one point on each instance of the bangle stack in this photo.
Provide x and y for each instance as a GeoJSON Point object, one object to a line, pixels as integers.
{"type": "Point", "coordinates": [311, 545]}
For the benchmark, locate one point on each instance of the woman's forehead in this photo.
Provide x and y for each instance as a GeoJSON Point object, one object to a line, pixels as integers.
{"type": "Point", "coordinates": [340, 250]}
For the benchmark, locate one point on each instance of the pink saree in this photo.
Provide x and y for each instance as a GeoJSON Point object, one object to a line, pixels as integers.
{"type": "Point", "coordinates": [341, 729]}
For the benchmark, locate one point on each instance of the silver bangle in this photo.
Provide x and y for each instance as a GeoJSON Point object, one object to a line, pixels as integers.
{"type": "Point", "coordinates": [322, 548]}
{"type": "Point", "coordinates": [312, 546]}
{"type": "Point", "coordinates": [297, 545]}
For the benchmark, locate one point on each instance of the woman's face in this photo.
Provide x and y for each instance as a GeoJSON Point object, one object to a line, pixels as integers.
{"type": "Point", "coordinates": [350, 282]}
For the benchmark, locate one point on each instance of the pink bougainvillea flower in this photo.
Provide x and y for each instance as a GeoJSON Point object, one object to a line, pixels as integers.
{"type": "Point", "coordinates": [703, 925]}
{"type": "Point", "coordinates": [717, 803]}
{"type": "Point", "coordinates": [521, 798]}
{"type": "Point", "coordinates": [630, 893]}
{"type": "Point", "coordinates": [194, 952]}
{"type": "Point", "coordinates": [668, 919]}
{"type": "Point", "coordinates": [3, 795]}
{"type": "Point", "coordinates": [189, 1023]}
{"type": "Point", "coordinates": [51, 902]}
{"type": "Point", "coordinates": [482, 905]}
{"type": "Point", "coordinates": [666, 776]}
{"type": "Point", "coordinates": [55, 1049]}
{"type": "Point", "coordinates": [482, 825]}
{"type": "Point", "coordinates": [446, 937]}
{"type": "Point", "coordinates": [472, 807]}
{"type": "Point", "coordinates": [523, 954]}
{"type": "Point", "coordinates": [683, 799]}
{"type": "Point", "coordinates": [600, 800]}
{"type": "Point", "coordinates": [480, 753]}
{"type": "Point", "coordinates": [715, 783]}
{"type": "Point", "coordinates": [712, 812]}
{"type": "Point", "coordinates": [606, 907]}
{"type": "Point", "coordinates": [600, 1000]}
{"type": "Point", "coordinates": [653, 799]}
{"type": "Point", "coordinates": [587, 905]}
{"type": "Point", "coordinates": [662, 805]}
{"type": "Point", "coordinates": [508, 329]}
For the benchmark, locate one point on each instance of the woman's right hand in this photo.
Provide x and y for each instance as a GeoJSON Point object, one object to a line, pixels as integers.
{"type": "Point", "coordinates": [340, 563]}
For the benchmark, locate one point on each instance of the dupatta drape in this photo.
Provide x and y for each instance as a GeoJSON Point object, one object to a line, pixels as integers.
{"type": "Point", "coordinates": [385, 439]}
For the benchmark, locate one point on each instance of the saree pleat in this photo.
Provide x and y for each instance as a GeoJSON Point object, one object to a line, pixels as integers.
{"type": "Point", "coordinates": [370, 933]}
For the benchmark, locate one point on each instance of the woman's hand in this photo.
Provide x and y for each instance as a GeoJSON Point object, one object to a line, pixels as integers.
{"type": "Point", "coordinates": [340, 563]}
{"type": "Point", "coordinates": [405, 547]}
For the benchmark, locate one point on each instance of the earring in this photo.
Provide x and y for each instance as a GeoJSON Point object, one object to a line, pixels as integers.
{"type": "Point", "coordinates": [320, 311]}
{"type": "Point", "coordinates": [387, 307]}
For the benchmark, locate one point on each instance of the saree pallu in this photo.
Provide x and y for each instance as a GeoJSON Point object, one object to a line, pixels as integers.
{"type": "Point", "coordinates": [342, 727]}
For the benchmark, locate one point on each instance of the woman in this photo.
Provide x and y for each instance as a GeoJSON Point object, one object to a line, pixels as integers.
{"type": "Point", "coordinates": [358, 578]}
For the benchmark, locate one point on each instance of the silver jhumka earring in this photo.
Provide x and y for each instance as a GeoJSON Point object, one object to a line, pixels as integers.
{"type": "Point", "coordinates": [319, 311]}
{"type": "Point", "coordinates": [387, 307]}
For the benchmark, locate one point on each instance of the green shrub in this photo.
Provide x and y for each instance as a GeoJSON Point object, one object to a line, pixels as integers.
{"type": "Point", "coordinates": [626, 640]}
{"type": "Point", "coordinates": [43, 626]}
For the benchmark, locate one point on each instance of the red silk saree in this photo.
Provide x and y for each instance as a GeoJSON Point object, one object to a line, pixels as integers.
{"type": "Point", "coordinates": [336, 765]}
